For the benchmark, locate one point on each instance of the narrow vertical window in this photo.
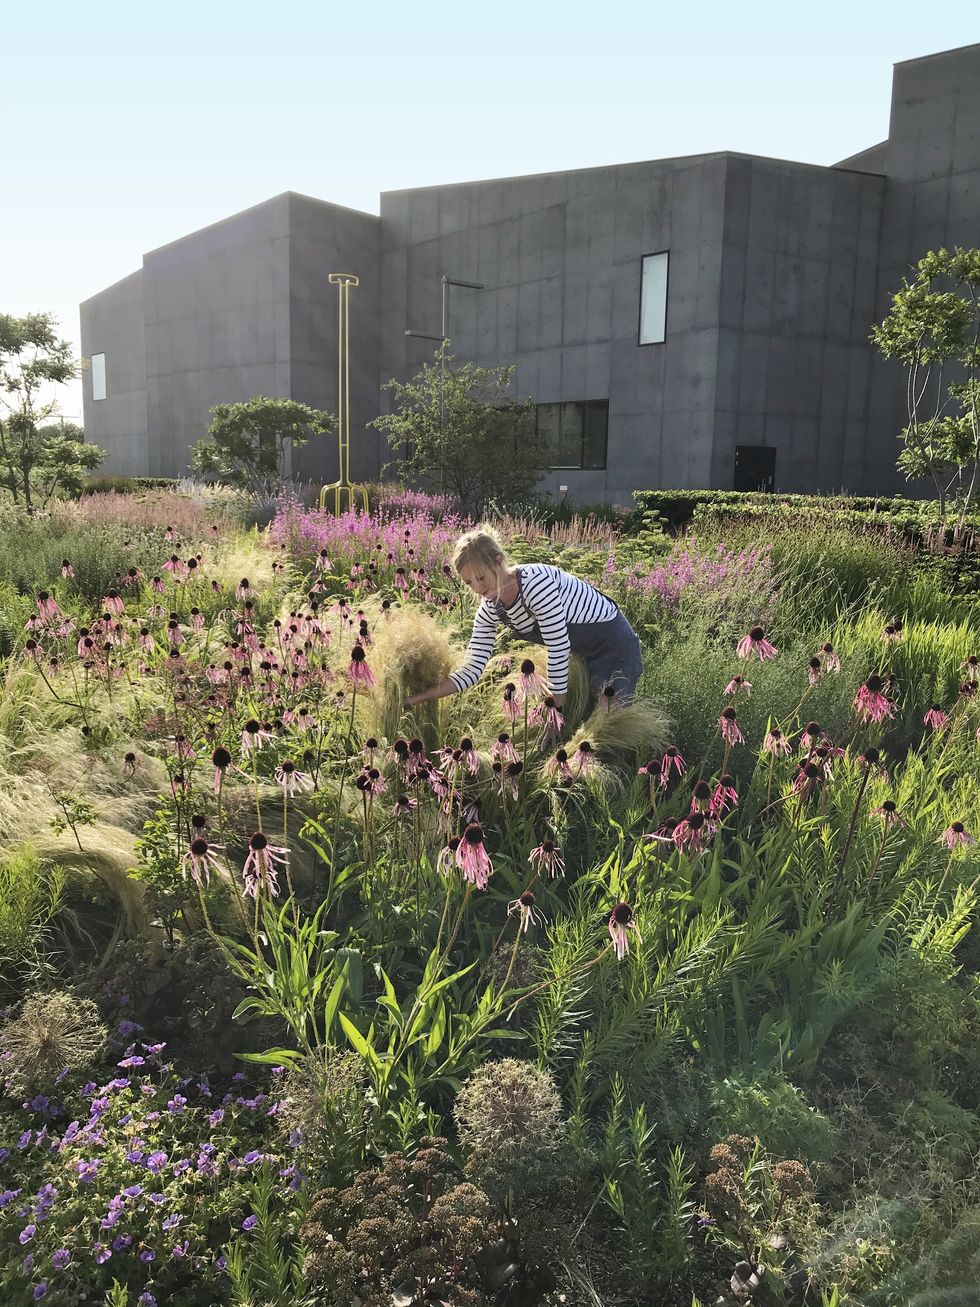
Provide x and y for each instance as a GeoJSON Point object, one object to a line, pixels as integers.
{"type": "Point", "coordinates": [653, 298]}
{"type": "Point", "coordinates": [98, 376]}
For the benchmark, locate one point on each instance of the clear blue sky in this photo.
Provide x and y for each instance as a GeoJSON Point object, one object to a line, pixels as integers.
{"type": "Point", "coordinates": [130, 125]}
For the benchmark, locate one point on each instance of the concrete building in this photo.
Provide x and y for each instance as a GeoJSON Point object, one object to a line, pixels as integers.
{"type": "Point", "coordinates": [691, 322]}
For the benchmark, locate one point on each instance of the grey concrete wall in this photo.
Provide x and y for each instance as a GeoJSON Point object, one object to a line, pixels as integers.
{"type": "Point", "coordinates": [112, 324]}
{"type": "Point", "coordinates": [325, 238]}
{"type": "Point", "coordinates": [932, 198]}
{"type": "Point", "coordinates": [560, 256]}
{"type": "Point", "coordinates": [797, 302]}
{"type": "Point", "coordinates": [238, 309]}
{"type": "Point", "coordinates": [217, 326]}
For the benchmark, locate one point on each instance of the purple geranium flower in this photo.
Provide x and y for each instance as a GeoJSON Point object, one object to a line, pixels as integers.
{"type": "Point", "coordinates": [27, 1234]}
{"type": "Point", "coordinates": [60, 1259]}
{"type": "Point", "coordinates": [250, 1222]}
{"type": "Point", "coordinates": [156, 1162]}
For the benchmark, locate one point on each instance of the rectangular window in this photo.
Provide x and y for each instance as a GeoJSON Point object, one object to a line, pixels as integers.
{"type": "Point", "coordinates": [98, 376]}
{"type": "Point", "coordinates": [653, 299]}
{"type": "Point", "coordinates": [577, 432]}
{"type": "Point", "coordinates": [755, 468]}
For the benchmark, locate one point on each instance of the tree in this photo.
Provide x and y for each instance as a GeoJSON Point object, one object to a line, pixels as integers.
{"type": "Point", "coordinates": [933, 328]}
{"type": "Point", "coordinates": [462, 433]}
{"type": "Point", "coordinates": [37, 460]}
{"type": "Point", "coordinates": [250, 444]}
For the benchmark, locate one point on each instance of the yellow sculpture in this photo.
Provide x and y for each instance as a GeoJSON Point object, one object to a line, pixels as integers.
{"type": "Point", "coordinates": [343, 485]}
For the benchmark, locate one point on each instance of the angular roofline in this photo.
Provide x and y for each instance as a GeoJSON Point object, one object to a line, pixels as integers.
{"type": "Point", "coordinates": [272, 199]}
{"type": "Point", "coordinates": [137, 272]}
{"type": "Point", "coordinates": [610, 167]}
{"type": "Point", "coordinates": [920, 59]}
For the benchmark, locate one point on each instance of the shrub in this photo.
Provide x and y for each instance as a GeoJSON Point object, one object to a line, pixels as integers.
{"type": "Point", "coordinates": [776, 1112]}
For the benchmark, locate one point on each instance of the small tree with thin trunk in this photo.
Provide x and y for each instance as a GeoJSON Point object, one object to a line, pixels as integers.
{"type": "Point", "coordinates": [250, 444]}
{"type": "Point", "coordinates": [37, 460]}
{"type": "Point", "coordinates": [464, 434]}
{"type": "Point", "coordinates": [933, 328]}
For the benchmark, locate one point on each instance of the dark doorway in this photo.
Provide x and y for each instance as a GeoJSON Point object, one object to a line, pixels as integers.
{"type": "Point", "coordinates": [755, 467]}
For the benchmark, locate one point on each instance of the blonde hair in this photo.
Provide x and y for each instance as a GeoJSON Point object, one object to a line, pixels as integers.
{"type": "Point", "coordinates": [479, 548]}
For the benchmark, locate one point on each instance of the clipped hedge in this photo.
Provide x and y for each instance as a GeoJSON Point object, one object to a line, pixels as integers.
{"type": "Point", "coordinates": [95, 485]}
{"type": "Point", "coordinates": [916, 520]}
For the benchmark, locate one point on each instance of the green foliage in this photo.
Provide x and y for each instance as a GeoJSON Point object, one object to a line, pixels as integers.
{"type": "Point", "coordinates": [31, 550]}
{"type": "Point", "coordinates": [250, 444]}
{"type": "Point", "coordinates": [775, 1111]}
{"type": "Point", "coordinates": [262, 1272]}
{"type": "Point", "coordinates": [159, 870]}
{"type": "Point", "coordinates": [933, 327]}
{"type": "Point", "coordinates": [891, 515]}
{"type": "Point", "coordinates": [651, 1200]}
{"type": "Point", "coordinates": [464, 435]}
{"type": "Point", "coordinates": [120, 485]}
{"type": "Point", "coordinates": [31, 893]}
{"type": "Point", "coordinates": [37, 460]}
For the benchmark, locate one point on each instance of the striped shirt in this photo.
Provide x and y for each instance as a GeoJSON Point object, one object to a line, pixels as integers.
{"type": "Point", "coordinates": [549, 597]}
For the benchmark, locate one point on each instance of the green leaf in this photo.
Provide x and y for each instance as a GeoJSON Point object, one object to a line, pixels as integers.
{"type": "Point", "coordinates": [273, 1057]}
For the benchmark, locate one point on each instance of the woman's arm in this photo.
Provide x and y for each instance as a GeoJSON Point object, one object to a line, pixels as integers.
{"type": "Point", "coordinates": [439, 691]}
{"type": "Point", "coordinates": [477, 657]}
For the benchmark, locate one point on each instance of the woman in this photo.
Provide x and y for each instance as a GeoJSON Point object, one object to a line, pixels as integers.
{"type": "Point", "coordinates": [544, 605]}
